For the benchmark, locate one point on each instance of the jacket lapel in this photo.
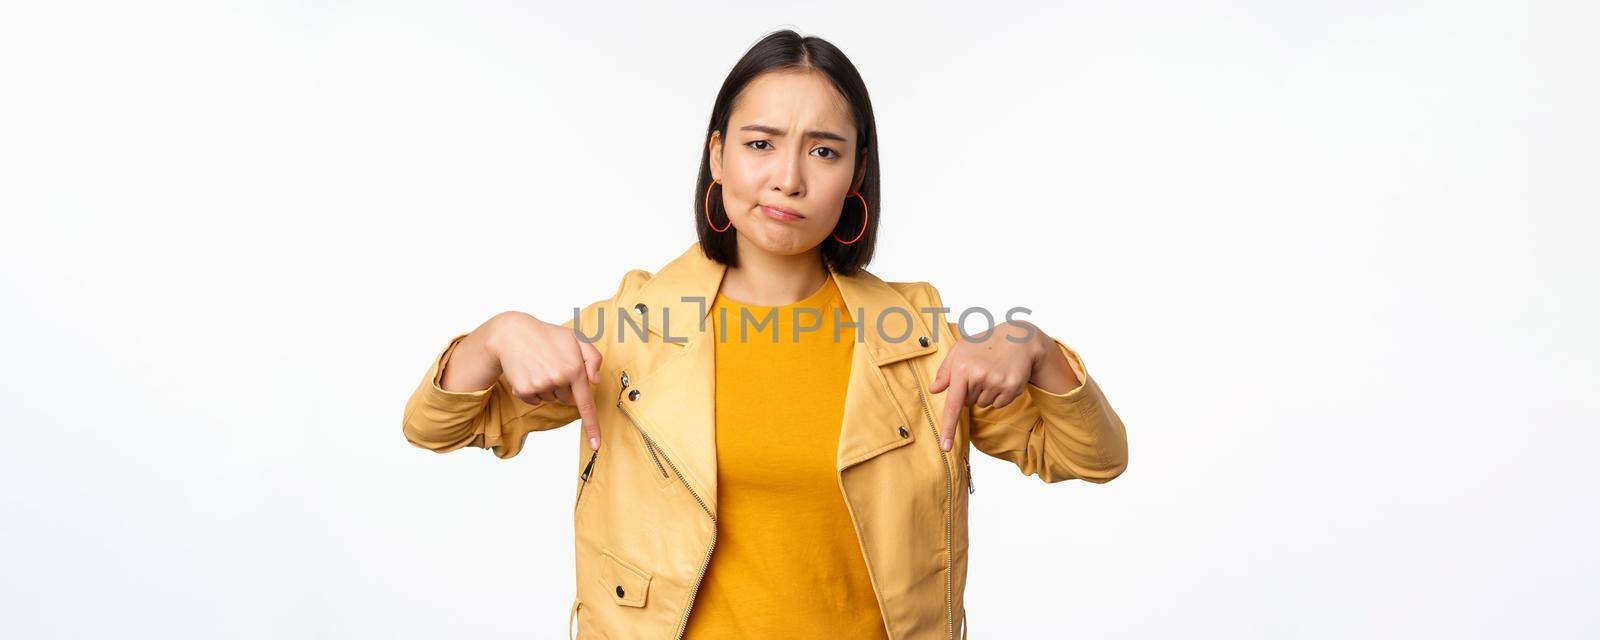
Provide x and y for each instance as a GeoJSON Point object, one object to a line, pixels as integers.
{"type": "Point", "coordinates": [676, 406]}
{"type": "Point", "coordinates": [882, 395]}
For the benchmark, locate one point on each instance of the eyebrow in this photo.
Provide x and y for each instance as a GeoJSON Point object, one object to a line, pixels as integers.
{"type": "Point", "coordinates": [774, 131]}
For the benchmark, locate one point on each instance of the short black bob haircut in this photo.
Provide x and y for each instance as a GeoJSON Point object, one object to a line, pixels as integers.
{"type": "Point", "coordinates": [788, 51]}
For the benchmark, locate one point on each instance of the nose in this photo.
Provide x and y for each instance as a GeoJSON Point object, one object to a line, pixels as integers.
{"type": "Point", "coordinates": [789, 181]}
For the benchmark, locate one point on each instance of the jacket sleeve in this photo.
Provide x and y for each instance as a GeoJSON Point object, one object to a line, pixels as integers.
{"type": "Point", "coordinates": [1057, 436]}
{"type": "Point", "coordinates": [492, 418]}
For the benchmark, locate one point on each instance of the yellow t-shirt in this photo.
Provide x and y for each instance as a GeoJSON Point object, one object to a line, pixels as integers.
{"type": "Point", "coordinates": [787, 562]}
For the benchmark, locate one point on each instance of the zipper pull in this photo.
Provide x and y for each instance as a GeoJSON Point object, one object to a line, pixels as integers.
{"type": "Point", "coordinates": [971, 488]}
{"type": "Point", "coordinates": [589, 467]}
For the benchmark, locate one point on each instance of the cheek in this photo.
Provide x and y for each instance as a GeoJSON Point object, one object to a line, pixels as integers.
{"type": "Point", "coordinates": [741, 184]}
{"type": "Point", "coordinates": [840, 195]}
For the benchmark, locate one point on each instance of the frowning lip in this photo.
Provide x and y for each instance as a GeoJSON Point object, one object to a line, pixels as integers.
{"type": "Point", "coordinates": [782, 213]}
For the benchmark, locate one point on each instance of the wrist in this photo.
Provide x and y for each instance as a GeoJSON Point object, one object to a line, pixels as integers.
{"type": "Point", "coordinates": [490, 345]}
{"type": "Point", "coordinates": [1039, 347]}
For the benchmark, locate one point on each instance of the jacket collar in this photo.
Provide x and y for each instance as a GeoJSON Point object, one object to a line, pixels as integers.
{"type": "Point", "coordinates": [677, 305]}
{"type": "Point", "coordinates": [677, 404]}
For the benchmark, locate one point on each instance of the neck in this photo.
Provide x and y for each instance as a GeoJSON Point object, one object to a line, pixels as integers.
{"type": "Point", "coordinates": [768, 279]}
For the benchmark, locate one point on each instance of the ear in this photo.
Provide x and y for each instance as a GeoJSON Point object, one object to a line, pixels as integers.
{"type": "Point", "coordinates": [715, 149]}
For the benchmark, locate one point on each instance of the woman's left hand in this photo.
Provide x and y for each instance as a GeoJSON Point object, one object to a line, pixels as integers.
{"type": "Point", "coordinates": [993, 368]}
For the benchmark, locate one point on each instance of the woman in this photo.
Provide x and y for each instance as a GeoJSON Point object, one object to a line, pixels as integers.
{"type": "Point", "coordinates": [732, 484]}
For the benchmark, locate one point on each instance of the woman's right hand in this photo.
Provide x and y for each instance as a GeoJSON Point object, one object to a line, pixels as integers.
{"type": "Point", "coordinates": [541, 362]}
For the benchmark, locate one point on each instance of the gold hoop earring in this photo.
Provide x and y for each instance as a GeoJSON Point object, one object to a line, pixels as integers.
{"type": "Point", "coordinates": [708, 209]}
{"type": "Point", "coordinates": [864, 215]}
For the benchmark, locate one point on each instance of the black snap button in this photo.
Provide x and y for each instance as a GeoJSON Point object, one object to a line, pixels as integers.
{"type": "Point", "coordinates": [639, 307]}
{"type": "Point", "coordinates": [903, 432]}
{"type": "Point", "coordinates": [633, 395]}
{"type": "Point", "coordinates": [923, 341]}
{"type": "Point", "coordinates": [619, 591]}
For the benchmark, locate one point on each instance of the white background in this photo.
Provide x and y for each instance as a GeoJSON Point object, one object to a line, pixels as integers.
{"type": "Point", "coordinates": [1332, 264]}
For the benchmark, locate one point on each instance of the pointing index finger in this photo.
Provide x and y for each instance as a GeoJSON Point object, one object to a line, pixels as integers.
{"type": "Point", "coordinates": [955, 398]}
{"type": "Point", "coordinates": [584, 397]}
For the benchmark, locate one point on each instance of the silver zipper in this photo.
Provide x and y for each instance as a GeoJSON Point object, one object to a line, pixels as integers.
{"type": "Point", "coordinates": [652, 449]}
{"type": "Point", "coordinates": [949, 496]}
{"type": "Point", "coordinates": [585, 476]}
{"type": "Point", "coordinates": [683, 624]}
{"type": "Point", "coordinates": [971, 488]}
{"type": "Point", "coordinates": [648, 447]}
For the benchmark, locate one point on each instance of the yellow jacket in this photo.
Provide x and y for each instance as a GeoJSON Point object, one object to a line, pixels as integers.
{"type": "Point", "coordinates": [644, 505]}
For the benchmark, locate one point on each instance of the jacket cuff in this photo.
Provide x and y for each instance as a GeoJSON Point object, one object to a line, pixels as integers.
{"type": "Point", "coordinates": [439, 401]}
{"type": "Point", "coordinates": [1064, 406]}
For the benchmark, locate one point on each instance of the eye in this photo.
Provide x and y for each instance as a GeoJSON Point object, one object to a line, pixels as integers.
{"type": "Point", "coordinates": [835, 153]}
{"type": "Point", "coordinates": [755, 142]}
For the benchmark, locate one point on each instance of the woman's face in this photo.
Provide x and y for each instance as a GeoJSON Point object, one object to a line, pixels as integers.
{"type": "Point", "coordinates": [788, 163]}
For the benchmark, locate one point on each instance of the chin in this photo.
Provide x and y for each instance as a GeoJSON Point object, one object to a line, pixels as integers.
{"type": "Point", "coordinates": [784, 242]}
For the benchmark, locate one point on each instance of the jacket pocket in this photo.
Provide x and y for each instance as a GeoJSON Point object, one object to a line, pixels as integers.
{"type": "Point", "coordinates": [627, 583]}
{"type": "Point", "coordinates": [663, 478]}
{"type": "Point", "coordinates": [583, 478]}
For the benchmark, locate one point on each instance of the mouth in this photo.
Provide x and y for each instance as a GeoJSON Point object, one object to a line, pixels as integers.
{"type": "Point", "coordinates": [780, 213]}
